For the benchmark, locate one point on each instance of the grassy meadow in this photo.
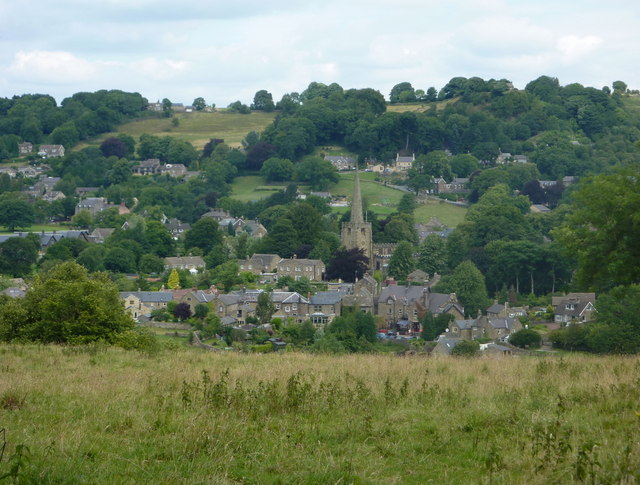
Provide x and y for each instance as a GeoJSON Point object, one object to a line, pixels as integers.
{"type": "Point", "coordinates": [379, 198]}
{"type": "Point", "coordinates": [198, 127]}
{"type": "Point", "coordinates": [106, 415]}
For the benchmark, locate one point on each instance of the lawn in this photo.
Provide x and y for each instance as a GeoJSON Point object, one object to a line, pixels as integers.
{"type": "Point", "coordinates": [254, 187]}
{"type": "Point", "coordinates": [40, 228]}
{"type": "Point", "coordinates": [98, 415]}
{"type": "Point", "coordinates": [379, 198]}
{"type": "Point", "coordinates": [384, 200]}
{"type": "Point", "coordinates": [197, 128]}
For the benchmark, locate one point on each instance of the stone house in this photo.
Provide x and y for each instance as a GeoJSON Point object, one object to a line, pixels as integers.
{"type": "Point", "coordinates": [361, 294]}
{"type": "Point", "coordinates": [498, 310]}
{"type": "Point", "coordinates": [176, 227]}
{"type": "Point", "coordinates": [313, 269]}
{"type": "Point", "coordinates": [418, 276]}
{"type": "Point", "coordinates": [260, 263]}
{"type": "Point", "coordinates": [51, 151]}
{"type": "Point", "coordinates": [341, 162]}
{"type": "Point", "coordinates": [412, 302]}
{"type": "Point", "coordinates": [192, 263]}
{"type": "Point", "coordinates": [324, 306]}
{"type": "Point", "coordinates": [173, 169]}
{"type": "Point", "coordinates": [142, 303]}
{"type": "Point", "coordinates": [217, 214]}
{"type": "Point", "coordinates": [484, 327]}
{"type": "Point", "coordinates": [94, 205]}
{"type": "Point", "coordinates": [456, 186]}
{"type": "Point", "coordinates": [195, 297]}
{"type": "Point", "coordinates": [228, 305]}
{"type": "Point", "coordinates": [100, 234]}
{"type": "Point", "coordinates": [147, 167]}
{"type": "Point", "coordinates": [254, 228]}
{"type": "Point", "coordinates": [25, 148]}
{"type": "Point", "coordinates": [574, 307]}
{"type": "Point", "coordinates": [404, 163]}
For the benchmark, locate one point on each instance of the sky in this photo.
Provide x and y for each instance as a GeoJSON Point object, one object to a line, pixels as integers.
{"type": "Point", "coordinates": [226, 51]}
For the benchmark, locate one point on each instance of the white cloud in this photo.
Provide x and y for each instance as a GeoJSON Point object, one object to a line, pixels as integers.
{"type": "Point", "coordinates": [51, 66]}
{"type": "Point", "coordinates": [574, 48]}
{"type": "Point", "coordinates": [158, 68]}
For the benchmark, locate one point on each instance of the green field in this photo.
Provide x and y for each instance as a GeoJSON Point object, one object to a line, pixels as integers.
{"type": "Point", "coordinates": [253, 187]}
{"type": "Point", "coordinates": [40, 228]}
{"type": "Point", "coordinates": [96, 415]}
{"type": "Point", "coordinates": [198, 128]}
{"type": "Point", "coordinates": [377, 197]}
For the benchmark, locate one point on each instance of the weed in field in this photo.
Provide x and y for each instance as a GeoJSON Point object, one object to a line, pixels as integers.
{"type": "Point", "coordinates": [12, 401]}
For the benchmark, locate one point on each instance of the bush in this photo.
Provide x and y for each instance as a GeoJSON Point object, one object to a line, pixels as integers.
{"type": "Point", "coordinates": [526, 338]}
{"type": "Point", "coordinates": [466, 348]}
{"type": "Point", "coordinates": [141, 339]}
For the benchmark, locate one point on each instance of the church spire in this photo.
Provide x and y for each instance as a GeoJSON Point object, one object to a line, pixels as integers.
{"type": "Point", "coordinates": [356, 203]}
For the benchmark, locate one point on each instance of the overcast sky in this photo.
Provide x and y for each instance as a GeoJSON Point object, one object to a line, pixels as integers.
{"type": "Point", "coordinates": [226, 51]}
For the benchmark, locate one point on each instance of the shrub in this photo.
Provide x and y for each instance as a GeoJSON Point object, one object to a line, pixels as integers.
{"type": "Point", "coordinates": [526, 338]}
{"type": "Point", "coordinates": [466, 348]}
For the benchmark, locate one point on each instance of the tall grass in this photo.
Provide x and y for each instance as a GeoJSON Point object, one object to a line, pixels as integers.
{"type": "Point", "coordinates": [104, 415]}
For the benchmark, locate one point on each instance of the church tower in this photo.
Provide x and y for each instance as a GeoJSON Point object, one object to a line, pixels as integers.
{"type": "Point", "coordinates": [357, 233]}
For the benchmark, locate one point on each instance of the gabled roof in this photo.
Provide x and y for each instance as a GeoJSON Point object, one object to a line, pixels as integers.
{"type": "Point", "coordinates": [402, 293]}
{"type": "Point", "coordinates": [495, 308]}
{"type": "Point", "coordinates": [326, 298]}
{"type": "Point", "coordinates": [507, 323]}
{"type": "Point", "coordinates": [464, 324]}
{"type": "Point", "coordinates": [229, 299]}
{"type": "Point", "coordinates": [149, 296]}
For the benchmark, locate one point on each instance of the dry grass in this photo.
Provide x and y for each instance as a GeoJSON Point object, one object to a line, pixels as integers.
{"type": "Point", "coordinates": [196, 128]}
{"type": "Point", "coordinates": [109, 416]}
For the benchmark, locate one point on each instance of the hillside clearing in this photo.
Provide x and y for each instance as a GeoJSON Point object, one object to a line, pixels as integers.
{"type": "Point", "coordinates": [196, 128]}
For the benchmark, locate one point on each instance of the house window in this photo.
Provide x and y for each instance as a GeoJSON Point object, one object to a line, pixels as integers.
{"type": "Point", "coordinates": [389, 311]}
{"type": "Point", "coordinates": [317, 308]}
{"type": "Point", "coordinates": [277, 306]}
{"type": "Point", "coordinates": [294, 306]}
{"type": "Point", "coordinates": [287, 309]}
{"type": "Point", "coordinates": [298, 268]}
{"type": "Point", "coordinates": [219, 309]}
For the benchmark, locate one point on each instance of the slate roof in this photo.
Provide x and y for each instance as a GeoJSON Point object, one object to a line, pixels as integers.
{"type": "Point", "coordinates": [149, 296]}
{"type": "Point", "coordinates": [326, 298]}
{"type": "Point", "coordinates": [397, 292]}
{"type": "Point", "coordinates": [507, 323]}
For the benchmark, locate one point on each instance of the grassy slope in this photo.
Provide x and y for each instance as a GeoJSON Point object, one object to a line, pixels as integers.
{"type": "Point", "coordinates": [113, 416]}
{"type": "Point", "coordinates": [198, 128]}
{"type": "Point", "coordinates": [382, 200]}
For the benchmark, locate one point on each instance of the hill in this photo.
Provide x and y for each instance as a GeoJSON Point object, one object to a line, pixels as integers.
{"type": "Point", "coordinates": [105, 415]}
{"type": "Point", "coordinates": [197, 128]}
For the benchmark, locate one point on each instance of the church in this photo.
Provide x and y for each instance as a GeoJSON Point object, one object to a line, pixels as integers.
{"type": "Point", "coordinates": [358, 233]}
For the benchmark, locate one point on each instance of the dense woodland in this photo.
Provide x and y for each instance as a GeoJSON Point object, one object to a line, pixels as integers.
{"type": "Point", "coordinates": [502, 250]}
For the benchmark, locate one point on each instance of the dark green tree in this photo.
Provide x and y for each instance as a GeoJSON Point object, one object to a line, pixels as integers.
{"type": "Point", "coordinates": [402, 261]}
{"type": "Point", "coordinates": [68, 305]}
{"type": "Point", "coordinates": [18, 255]}
{"type": "Point", "coordinates": [265, 308]}
{"type": "Point", "coordinates": [263, 101]}
{"type": "Point", "coordinates": [432, 255]}
{"type": "Point", "coordinates": [467, 282]}
{"type": "Point", "coordinates": [526, 338]}
{"type": "Point", "coordinates": [603, 231]}
{"type": "Point", "coordinates": [15, 213]}
{"type": "Point", "coordinates": [199, 104]}
{"type": "Point", "coordinates": [204, 234]}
